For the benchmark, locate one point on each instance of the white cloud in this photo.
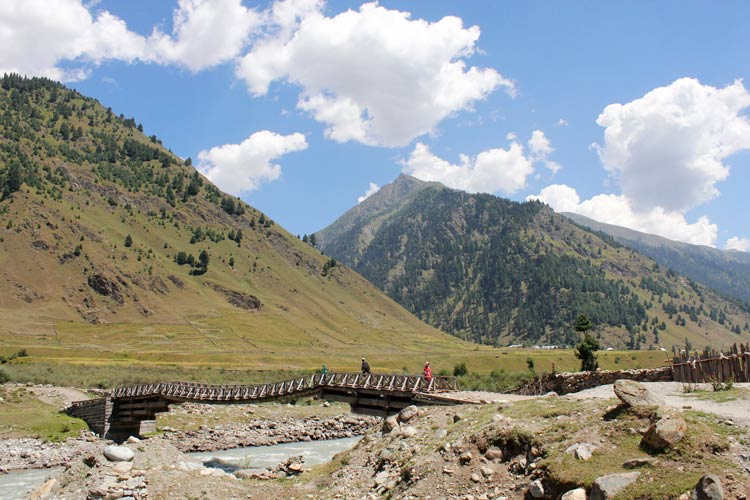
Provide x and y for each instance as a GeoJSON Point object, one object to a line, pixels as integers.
{"type": "Point", "coordinates": [736, 243]}
{"type": "Point", "coordinates": [35, 35]}
{"type": "Point", "coordinates": [667, 149]}
{"type": "Point", "coordinates": [237, 168]}
{"type": "Point", "coordinates": [205, 33]}
{"type": "Point", "coordinates": [492, 171]}
{"type": "Point", "coordinates": [541, 148]}
{"type": "Point", "coordinates": [375, 75]}
{"type": "Point", "coordinates": [371, 190]}
{"type": "Point", "coordinates": [617, 210]}
{"type": "Point", "coordinates": [561, 123]}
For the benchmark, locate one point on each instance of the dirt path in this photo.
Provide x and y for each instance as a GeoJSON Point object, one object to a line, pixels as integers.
{"type": "Point", "coordinates": [58, 396]}
{"type": "Point", "coordinates": [738, 410]}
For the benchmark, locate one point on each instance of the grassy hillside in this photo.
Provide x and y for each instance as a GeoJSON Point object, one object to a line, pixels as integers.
{"type": "Point", "coordinates": [499, 272]}
{"type": "Point", "coordinates": [92, 220]}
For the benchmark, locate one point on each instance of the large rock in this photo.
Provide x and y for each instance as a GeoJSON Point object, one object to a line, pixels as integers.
{"type": "Point", "coordinates": [667, 429]}
{"type": "Point", "coordinates": [118, 453]}
{"type": "Point", "coordinates": [582, 451]}
{"type": "Point", "coordinates": [607, 487]}
{"type": "Point", "coordinates": [536, 489]}
{"type": "Point", "coordinates": [576, 494]}
{"type": "Point", "coordinates": [390, 424]}
{"type": "Point", "coordinates": [634, 393]}
{"type": "Point", "coordinates": [44, 491]}
{"type": "Point", "coordinates": [408, 413]}
{"type": "Point", "coordinates": [708, 488]}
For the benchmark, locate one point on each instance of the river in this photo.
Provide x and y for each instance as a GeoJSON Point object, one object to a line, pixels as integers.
{"type": "Point", "coordinates": [17, 484]}
{"type": "Point", "coordinates": [260, 457]}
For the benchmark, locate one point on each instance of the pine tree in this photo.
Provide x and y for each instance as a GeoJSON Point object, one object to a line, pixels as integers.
{"type": "Point", "coordinates": [128, 241]}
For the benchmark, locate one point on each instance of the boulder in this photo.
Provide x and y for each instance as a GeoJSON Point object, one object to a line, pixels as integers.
{"type": "Point", "coordinates": [536, 489]}
{"type": "Point", "coordinates": [576, 494]}
{"type": "Point", "coordinates": [634, 393]}
{"type": "Point", "coordinates": [582, 451]}
{"type": "Point", "coordinates": [494, 454]}
{"type": "Point", "coordinates": [118, 453]}
{"type": "Point", "coordinates": [607, 487]}
{"type": "Point", "coordinates": [408, 413]}
{"type": "Point", "coordinates": [636, 463]}
{"type": "Point", "coordinates": [408, 431]}
{"type": "Point", "coordinates": [390, 424]}
{"type": "Point", "coordinates": [667, 429]}
{"type": "Point", "coordinates": [122, 467]}
{"type": "Point", "coordinates": [708, 488]}
{"type": "Point", "coordinates": [44, 491]}
{"type": "Point", "coordinates": [465, 458]}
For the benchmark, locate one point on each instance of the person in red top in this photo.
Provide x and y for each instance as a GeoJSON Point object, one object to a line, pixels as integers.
{"type": "Point", "coordinates": [427, 371]}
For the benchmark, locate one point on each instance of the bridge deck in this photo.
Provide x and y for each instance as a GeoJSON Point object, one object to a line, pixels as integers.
{"type": "Point", "coordinates": [126, 408]}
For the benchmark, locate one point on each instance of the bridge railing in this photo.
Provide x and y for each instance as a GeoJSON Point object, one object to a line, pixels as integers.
{"type": "Point", "coordinates": [205, 392]}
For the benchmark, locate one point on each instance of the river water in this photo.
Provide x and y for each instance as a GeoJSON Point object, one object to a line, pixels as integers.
{"type": "Point", "coordinates": [17, 484]}
{"type": "Point", "coordinates": [260, 457]}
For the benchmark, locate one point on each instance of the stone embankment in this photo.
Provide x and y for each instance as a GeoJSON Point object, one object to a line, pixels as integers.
{"type": "Point", "coordinates": [31, 453]}
{"type": "Point", "coordinates": [263, 432]}
{"type": "Point", "coordinates": [566, 383]}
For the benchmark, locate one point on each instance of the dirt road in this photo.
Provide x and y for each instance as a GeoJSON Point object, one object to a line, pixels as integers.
{"type": "Point", "coordinates": [673, 394]}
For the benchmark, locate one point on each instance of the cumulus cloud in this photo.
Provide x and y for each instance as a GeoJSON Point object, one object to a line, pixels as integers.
{"type": "Point", "coordinates": [371, 190]}
{"type": "Point", "coordinates": [541, 148]}
{"type": "Point", "coordinates": [35, 35]}
{"type": "Point", "coordinates": [492, 171]}
{"type": "Point", "coordinates": [373, 75]}
{"type": "Point", "coordinates": [205, 33]}
{"type": "Point", "coordinates": [667, 149]}
{"type": "Point", "coordinates": [617, 210]}
{"type": "Point", "coordinates": [737, 243]}
{"type": "Point", "coordinates": [242, 167]}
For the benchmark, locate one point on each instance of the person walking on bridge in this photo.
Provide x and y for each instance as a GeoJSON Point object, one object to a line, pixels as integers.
{"type": "Point", "coordinates": [427, 374]}
{"type": "Point", "coordinates": [365, 366]}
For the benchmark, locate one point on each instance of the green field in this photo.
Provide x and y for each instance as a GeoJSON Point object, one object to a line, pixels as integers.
{"type": "Point", "coordinates": [103, 362]}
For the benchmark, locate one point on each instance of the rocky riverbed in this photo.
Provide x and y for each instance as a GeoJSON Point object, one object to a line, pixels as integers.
{"type": "Point", "coordinates": [262, 430]}
{"type": "Point", "coordinates": [539, 448]}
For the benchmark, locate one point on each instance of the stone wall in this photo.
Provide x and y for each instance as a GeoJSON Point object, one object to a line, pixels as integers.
{"type": "Point", "coordinates": [95, 412]}
{"type": "Point", "coordinates": [565, 383]}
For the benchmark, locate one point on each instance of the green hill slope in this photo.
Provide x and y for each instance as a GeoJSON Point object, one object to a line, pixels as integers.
{"type": "Point", "coordinates": [497, 272]}
{"type": "Point", "coordinates": [726, 271]}
{"type": "Point", "coordinates": [101, 232]}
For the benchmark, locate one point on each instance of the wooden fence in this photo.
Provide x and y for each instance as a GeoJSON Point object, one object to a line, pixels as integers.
{"type": "Point", "coordinates": [713, 366]}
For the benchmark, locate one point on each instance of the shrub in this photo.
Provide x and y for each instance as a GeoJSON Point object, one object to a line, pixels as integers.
{"type": "Point", "coordinates": [459, 370]}
{"type": "Point", "coordinates": [4, 377]}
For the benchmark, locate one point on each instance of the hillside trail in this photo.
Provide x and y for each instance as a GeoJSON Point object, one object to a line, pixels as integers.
{"type": "Point", "coordinates": [60, 397]}
{"type": "Point", "coordinates": [704, 399]}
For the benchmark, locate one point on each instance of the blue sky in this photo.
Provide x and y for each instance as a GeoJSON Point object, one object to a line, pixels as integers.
{"type": "Point", "coordinates": [298, 108]}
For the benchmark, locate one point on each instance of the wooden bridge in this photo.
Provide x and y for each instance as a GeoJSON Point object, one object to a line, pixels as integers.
{"type": "Point", "coordinates": [131, 411]}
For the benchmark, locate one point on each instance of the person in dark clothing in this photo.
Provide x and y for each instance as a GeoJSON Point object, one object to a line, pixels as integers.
{"type": "Point", "coordinates": [365, 366]}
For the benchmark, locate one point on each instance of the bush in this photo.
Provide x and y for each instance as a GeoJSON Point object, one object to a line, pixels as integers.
{"type": "Point", "coordinates": [460, 370]}
{"type": "Point", "coordinates": [4, 377]}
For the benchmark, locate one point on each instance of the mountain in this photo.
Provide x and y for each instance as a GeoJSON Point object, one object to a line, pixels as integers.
{"type": "Point", "coordinates": [495, 271]}
{"type": "Point", "coordinates": [354, 230]}
{"type": "Point", "coordinates": [113, 248]}
{"type": "Point", "coordinates": [726, 271]}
